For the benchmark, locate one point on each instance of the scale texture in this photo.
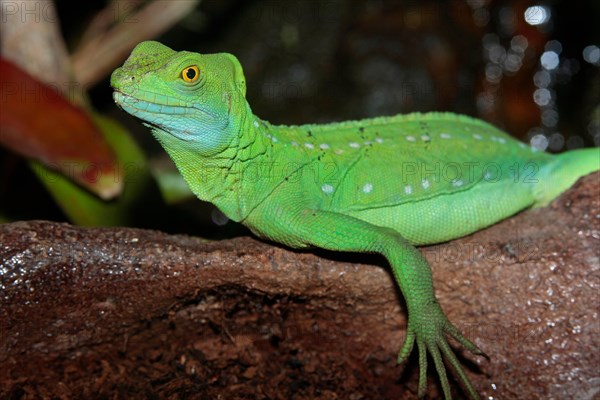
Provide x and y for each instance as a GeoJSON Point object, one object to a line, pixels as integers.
{"type": "Point", "coordinates": [379, 185]}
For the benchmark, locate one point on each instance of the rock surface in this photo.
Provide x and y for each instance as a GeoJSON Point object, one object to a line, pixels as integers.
{"type": "Point", "coordinates": [129, 313]}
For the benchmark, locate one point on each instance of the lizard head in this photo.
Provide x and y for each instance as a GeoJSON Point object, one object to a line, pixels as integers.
{"type": "Point", "coordinates": [183, 96]}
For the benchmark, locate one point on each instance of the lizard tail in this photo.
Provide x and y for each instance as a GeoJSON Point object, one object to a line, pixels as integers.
{"type": "Point", "coordinates": [560, 174]}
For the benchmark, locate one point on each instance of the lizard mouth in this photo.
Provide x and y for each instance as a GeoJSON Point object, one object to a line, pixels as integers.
{"type": "Point", "coordinates": [151, 113]}
{"type": "Point", "coordinates": [150, 105]}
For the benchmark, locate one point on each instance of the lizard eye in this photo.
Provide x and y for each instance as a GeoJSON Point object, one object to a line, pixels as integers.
{"type": "Point", "coordinates": [190, 74]}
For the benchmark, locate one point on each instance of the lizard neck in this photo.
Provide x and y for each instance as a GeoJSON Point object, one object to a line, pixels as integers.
{"type": "Point", "coordinates": [217, 177]}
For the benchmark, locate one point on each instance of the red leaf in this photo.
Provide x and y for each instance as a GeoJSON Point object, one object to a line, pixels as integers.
{"type": "Point", "coordinates": [38, 123]}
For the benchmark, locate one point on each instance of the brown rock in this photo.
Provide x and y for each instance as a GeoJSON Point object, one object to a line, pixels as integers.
{"type": "Point", "coordinates": [130, 313]}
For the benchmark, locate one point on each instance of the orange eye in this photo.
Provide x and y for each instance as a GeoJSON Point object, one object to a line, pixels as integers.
{"type": "Point", "coordinates": [190, 74]}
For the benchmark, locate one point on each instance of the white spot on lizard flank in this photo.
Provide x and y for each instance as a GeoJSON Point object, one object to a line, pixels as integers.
{"type": "Point", "coordinates": [379, 140]}
{"type": "Point", "coordinates": [425, 183]}
{"type": "Point", "coordinates": [323, 146]}
{"type": "Point", "coordinates": [354, 145]}
{"type": "Point", "coordinates": [457, 182]}
{"type": "Point", "coordinates": [309, 145]}
{"type": "Point", "coordinates": [327, 188]}
{"type": "Point", "coordinates": [255, 124]}
{"type": "Point", "coordinates": [425, 138]}
{"type": "Point", "coordinates": [408, 189]}
{"type": "Point", "coordinates": [445, 135]}
{"type": "Point", "coordinates": [338, 151]}
{"type": "Point", "coordinates": [411, 138]}
{"type": "Point", "coordinates": [367, 188]}
{"type": "Point", "coordinates": [477, 136]}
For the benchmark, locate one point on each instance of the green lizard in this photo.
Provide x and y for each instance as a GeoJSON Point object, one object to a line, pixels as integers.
{"type": "Point", "coordinates": [380, 185]}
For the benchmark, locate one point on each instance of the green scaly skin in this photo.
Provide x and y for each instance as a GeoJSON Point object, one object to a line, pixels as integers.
{"type": "Point", "coordinates": [379, 185]}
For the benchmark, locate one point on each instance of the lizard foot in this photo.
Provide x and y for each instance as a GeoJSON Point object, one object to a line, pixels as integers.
{"type": "Point", "coordinates": [429, 332]}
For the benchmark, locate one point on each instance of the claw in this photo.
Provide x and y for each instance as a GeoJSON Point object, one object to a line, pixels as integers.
{"type": "Point", "coordinates": [441, 370]}
{"type": "Point", "coordinates": [422, 369]}
{"type": "Point", "coordinates": [449, 354]}
{"type": "Point", "coordinates": [466, 343]}
{"type": "Point", "coordinates": [407, 346]}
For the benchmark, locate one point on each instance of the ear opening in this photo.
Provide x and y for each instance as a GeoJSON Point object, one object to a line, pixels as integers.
{"type": "Point", "coordinates": [238, 74]}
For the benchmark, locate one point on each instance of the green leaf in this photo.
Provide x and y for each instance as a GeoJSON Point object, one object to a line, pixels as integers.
{"type": "Point", "coordinates": [83, 207]}
{"type": "Point", "coordinates": [173, 187]}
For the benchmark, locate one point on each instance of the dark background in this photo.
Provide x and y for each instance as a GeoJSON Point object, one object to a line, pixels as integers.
{"type": "Point", "coordinates": [320, 61]}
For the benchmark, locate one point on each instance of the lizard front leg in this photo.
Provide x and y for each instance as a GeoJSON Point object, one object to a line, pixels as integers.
{"type": "Point", "coordinates": [428, 326]}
